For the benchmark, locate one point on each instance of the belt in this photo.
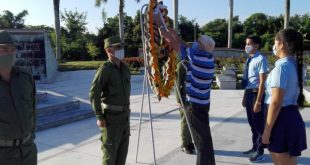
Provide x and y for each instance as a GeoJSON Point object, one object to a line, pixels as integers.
{"type": "Point", "coordinates": [254, 90]}
{"type": "Point", "coordinates": [119, 108]}
{"type": "Point", "coordinates": [15, 142]}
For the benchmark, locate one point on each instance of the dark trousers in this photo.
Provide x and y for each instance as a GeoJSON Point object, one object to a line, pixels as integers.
{"type": "Point", "coordinates": [256, 120]}
{"type": "Point", "coordinates": [25, 154]}
{"type": "Point", "coordinates": [115, 138]}
{"type": "Point", "coordinates": [199, 123]}
{"type": "Point", "coordinates": [185, 134]}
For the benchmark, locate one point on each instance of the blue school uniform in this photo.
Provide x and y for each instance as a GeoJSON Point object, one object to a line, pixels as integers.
{"type": "Point", "coordinates": [288, 133]}
{"type": "Point", "coordinates": [255, 65]}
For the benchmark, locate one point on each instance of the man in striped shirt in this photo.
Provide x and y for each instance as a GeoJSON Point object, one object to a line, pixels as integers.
{"type": "Point", "coordinates": [199, 76]}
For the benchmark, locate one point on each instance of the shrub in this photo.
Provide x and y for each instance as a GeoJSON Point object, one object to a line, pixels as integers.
{"type": "Point", "coordinates": [134, 62]}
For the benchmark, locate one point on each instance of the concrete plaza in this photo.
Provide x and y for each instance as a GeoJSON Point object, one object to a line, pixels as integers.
{"type": "Point", "coordinates": [78, 143]}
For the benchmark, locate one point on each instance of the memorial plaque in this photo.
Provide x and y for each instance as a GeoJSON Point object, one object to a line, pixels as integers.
{"type": "Point", "coordinates": [34, 52]}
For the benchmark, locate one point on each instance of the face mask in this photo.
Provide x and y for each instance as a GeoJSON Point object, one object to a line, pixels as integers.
{"type": "Point", "coordinates": [119, 54]}
{"type": "Point", "coordinates": [274, 50]}
{"type": "Point", "coordinates": [195, 45]}
{"type": "Point", "coordinates": [248, 49]}
{"type": "Point", "coordinates": [7, 61]}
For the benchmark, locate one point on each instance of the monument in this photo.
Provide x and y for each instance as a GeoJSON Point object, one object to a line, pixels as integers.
{"type": "Point", "coordinates": [35, 52]}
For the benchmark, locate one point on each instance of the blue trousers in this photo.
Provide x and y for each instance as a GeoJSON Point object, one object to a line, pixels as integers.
{"type": "Point", "coordinates": [256, 120]}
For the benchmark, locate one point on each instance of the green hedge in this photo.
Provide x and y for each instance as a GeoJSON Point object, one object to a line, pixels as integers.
{"type": "Point", "coordinates": [79, 65]}
{"type": "Point", "coordinates": [87, 65]}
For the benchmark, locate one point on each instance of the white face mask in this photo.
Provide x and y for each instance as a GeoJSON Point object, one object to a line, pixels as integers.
{"type": "Point", "coordinates": [119, 54]}
{"type": "Point", "coordinates": [248, 49]}
{"type": "Point", "coordinates": [274, 50]}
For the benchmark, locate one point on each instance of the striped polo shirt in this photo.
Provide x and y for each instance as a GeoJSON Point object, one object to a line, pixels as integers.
{"type": "Point", "coordinates": [199, 75]}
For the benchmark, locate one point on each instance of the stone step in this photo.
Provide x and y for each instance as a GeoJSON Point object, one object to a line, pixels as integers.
{"type": "Point", "coordinates": [65, 117]}
{"type": "Point", "coordinates": [50, 109]}
{"type": "Point", "coordinates": [41, 97]}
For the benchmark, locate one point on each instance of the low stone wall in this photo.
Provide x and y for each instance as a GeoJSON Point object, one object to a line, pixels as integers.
{"type": "Point", "coordinates": [226, 82]}
{"type": "Point", "coordinates": [226, 52]}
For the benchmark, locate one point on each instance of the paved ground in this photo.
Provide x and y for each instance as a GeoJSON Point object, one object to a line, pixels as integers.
{"type": "Point", "coordinates": [78, 143]}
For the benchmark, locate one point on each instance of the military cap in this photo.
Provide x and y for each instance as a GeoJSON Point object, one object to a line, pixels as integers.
{"type": "Point", "coordinates": [112, 41]}
{"type": "Point", "coordinates": [6, 39]}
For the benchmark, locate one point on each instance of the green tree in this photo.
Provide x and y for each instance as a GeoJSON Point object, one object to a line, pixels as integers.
{"type": "Point", "coordinates": [131, 48]}
{"type": "Point", "coordinates": [267, 41]}
{"type": "Point", "coordinates": [73, 39]}
{"type": "Point", "coordinates": [218, 30]}
{"type": "Point", "coordinates": [109, 29]}
{"type": "Point", "coordinates": [104, 15]}
{"type": "Point", "coordinates": [9, 20]}
{"type": "Point", "coordinates": [136, 36]}
{"type": "Point", "coordinates": [256, 24]}
{"type": "Point", "coordinates": [98, 3]}
{"type": "Point", "coordinates": [304, 28]}
{"type": "Point", "coordinates": [75, 23]}
{"type": "Point", "coordinates": [92, 50]}
{"type": "Point", "coordinates": [187, 28]}
{"type": "Point", "coordinates": [274, 24]}
{"type": "Point", "coordinates": [239, 40]}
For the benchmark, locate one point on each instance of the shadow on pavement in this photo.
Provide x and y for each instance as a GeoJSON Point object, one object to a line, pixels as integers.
{"type": "Point", "coordinates": [238, 154]}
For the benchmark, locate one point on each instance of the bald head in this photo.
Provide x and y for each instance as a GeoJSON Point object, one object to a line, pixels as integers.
{"type": "Point", "coordinates": [207, 43]}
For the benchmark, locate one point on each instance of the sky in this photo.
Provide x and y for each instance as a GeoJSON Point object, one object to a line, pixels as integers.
{"type": "Point", "coordinates": [203, 11]}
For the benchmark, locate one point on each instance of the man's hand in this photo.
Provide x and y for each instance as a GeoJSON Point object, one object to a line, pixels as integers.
{"type": "Point", "coordinates": [266, 137]}
{"type": "Point", "coordinates": [257, 107]}
{"type": "Point", "coordinates": [101, 123]}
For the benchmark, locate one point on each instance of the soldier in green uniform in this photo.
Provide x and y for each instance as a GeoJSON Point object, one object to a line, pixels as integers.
{"type": "Point", "coordinates": [17, 108]}
{"type": "Point", "coordinates": [109, 97]}
{"type": "Point", "coordinates": [187, 143]}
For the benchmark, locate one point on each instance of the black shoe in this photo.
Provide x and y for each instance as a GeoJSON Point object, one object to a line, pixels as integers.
{"type": "Point", "coordinates": [189, 149]}
{"type": "Point", "coordinates": [256, 158]}
{"type": "Point", "coordinates": [249, 152]}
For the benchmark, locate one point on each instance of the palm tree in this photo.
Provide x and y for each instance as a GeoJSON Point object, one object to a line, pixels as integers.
{"type": "Point", "coordinates": [9, 20]}
{"type": "Point", "coordinates": [176, 9]}
{"type": "Point", "coordinates": [121, 15]}
{"type": "Point", "coordinates": [231, 15]}
{"type": "Point", "coordinates": [57, 29]}
{"type": "Point", "coordinates": [287, 13]}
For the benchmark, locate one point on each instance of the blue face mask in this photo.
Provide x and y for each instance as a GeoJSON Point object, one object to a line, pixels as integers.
{"type": "Point", "coordinates": [195, 45]}
{"type": "Point", "coordinates": [248, 49]}
{"type": "Point", "coordinates": [274, 50]}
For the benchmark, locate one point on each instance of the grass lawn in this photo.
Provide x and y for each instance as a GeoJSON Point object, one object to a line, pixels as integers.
{"type": "Point", "coordinates": [79, 65]}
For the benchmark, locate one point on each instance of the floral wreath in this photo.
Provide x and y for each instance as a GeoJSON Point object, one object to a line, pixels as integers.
{"type": "Point", "coordinates": [159, 52]}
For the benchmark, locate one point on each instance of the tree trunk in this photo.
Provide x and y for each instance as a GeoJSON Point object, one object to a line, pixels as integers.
{"type": "Point", "coordinates": [121, 20]}
{"type": "Point", "coordinates": [57, 28]}
{"type": "Point", "coordinates": [287, 13]}
{"type": "Point", "coordinates": [230, 21]}
{"type": "Point", "coordinates": [176, 16]}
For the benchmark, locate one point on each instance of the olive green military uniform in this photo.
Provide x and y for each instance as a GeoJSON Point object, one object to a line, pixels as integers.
{"type": "Point", "coordinates": [109, 96]}
{"type": "Point", "coordinates": [181, 85]}
{"type": "Point", "coordinates": [17, 119]}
